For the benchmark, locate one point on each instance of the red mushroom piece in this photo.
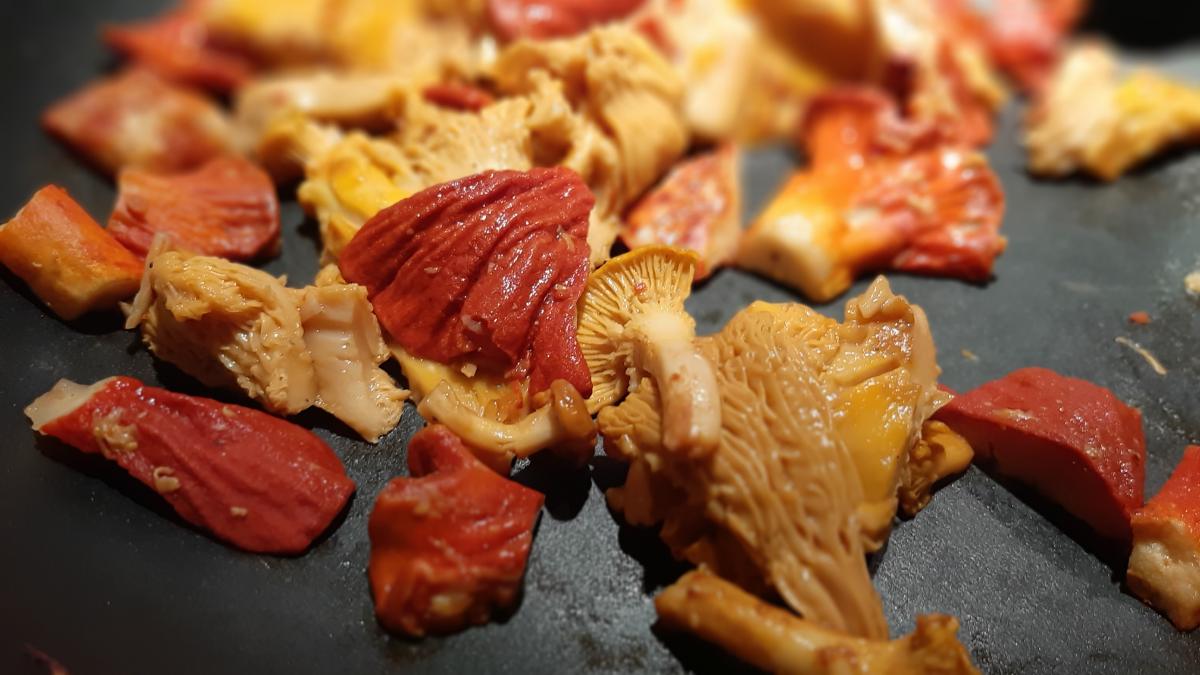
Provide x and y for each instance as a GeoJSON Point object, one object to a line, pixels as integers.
{"type": "Point", "coordinates": [449, 543]}
{"type": "Point", "coordinates": [936, 202]}
{"type": "Point", "coordinates": [458, 96]}
{"type": "Point", "coordinates": [881, 192]}
{"type": "Point", "coordinates": [1070, 440]}
{"type": "Point", "coordinates": [225, 208]}
{"type": "Point", "coordinates": [543, 19]}
{"type": "Point", "coordinates": [69, 261]}
{"type": "Point", "coordinates": [1164, 569]}
{"type": "Point", "coordinates": [1026, 37]}
{"type": "Point", "coordinates": [697, 206]}
{"type": "Point", "coordinates": [177, 46]}
{"type": "Point", "coordinates": [255, 481]}
{"type": "Point", "coordinates": [136, 118]}
{"type": "Point", "coordinates": [487, 269]}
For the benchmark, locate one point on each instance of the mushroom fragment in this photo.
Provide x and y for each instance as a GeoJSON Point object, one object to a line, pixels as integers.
{"type": "Point", "coordinates": [69, 261]}
{"type": "Point", "coordinates": [255, 481]}
{"type": "Point", "coordinates": [226, 208]}
{"type": "Point", "coordinates": [774, 507]}
{"type": "Point", "coordinates": [495, 416]}
{"type": "Point", "coordinates": [563, 425]}
{"type": "Point", "coordinates": [229, 325]}
{"type": "Point", "coordinates": [881, 192]}
{"type": "Point", "coordinates": [347, 349]}
{"type": "Point", "coordinates": [697, 206]}
{"type": "Point", "coordinates": [136, 118]}
{"type": "Point", "coordinates": [449, 542]}
{"type": "Point", "coordinates": [486, 268]}
{"type": "Point", "coordinates": [626, 128]}
{"type": "Point", "coordinates": [1164, 568]}
{"type": "Point", "coordinates": [940, 452]}
{"type": "Point", "coordinates": [1091, 118]}
{"type": "Point", "coordinates": [632, 322]}
{"type": "Point", "coordinates": [777, 641]}
{"type": "Point", "coordinates": [177, 47]}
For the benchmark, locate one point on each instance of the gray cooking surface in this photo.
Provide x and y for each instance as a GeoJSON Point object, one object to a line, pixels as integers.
{"type": "Point", "coordinates": [98, 573]}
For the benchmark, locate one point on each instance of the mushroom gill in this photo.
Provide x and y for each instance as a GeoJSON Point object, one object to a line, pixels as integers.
{"type": "Point", "coordinates": [774, 507]}
{"type": "Point", "coordinates": [632, 323]}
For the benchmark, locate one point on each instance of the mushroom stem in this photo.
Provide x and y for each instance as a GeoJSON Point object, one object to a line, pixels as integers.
{"type": "Point", "coordinates": [776, 640]}
{"type": "Point", "coordinates": [691, 402]}
{"type": "Point", "coordinates": [550, 426]}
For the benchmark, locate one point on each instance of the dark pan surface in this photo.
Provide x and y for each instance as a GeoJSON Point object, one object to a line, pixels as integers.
{"type": "Point", "coordinates": [95, 572]}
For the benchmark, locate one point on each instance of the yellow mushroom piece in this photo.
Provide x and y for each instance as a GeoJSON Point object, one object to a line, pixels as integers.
{"type": "Point", "coordinates": [938, 454]}
{"type": "Point", "coordinates": [879, 367]}
{"type": "Point", "coordinates": [491, 415]}
{"type": "Point", "coordinates": [562, 425]}
{"type": "Point", "coordinates": [632, 322]}
{"type": "Point", "coordinates": [778, 641]}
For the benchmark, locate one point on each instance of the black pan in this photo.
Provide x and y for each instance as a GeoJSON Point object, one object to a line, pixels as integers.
{"type": "Point", "coordinates": [96, 572]}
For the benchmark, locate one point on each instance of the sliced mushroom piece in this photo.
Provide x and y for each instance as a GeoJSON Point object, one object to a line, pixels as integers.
{"type": "Point", "coordinates": [225, 324]}
{"type": "Point", "coordinates": [492, 415]}
{"type": "Point", "coordinates": [347, 348]}
{"type": "Point", "coordinates": [486, 392]}
{"type": "Point", "coordinates": [632, 321]}
{"type": "Point", "coordinates": [562, 425]}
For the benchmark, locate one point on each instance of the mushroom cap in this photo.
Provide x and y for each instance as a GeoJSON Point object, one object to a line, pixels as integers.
{"type": "Point", "coordinates": [643, 281]}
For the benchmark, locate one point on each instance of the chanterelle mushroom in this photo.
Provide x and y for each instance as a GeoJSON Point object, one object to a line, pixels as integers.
{"type": "Point", "coordinates": [880, 370]}
{"type": "Point", "coordinates": [1093, 118]}
{"type": "Point", "coordinates": [632, 321]}
{"type": "Point", "coordinates": [777, 641]}
{"type": "Point", "coordinates": [347, 348]}
{"type": "Point", "coordinates": [626, 126]}
{"type": "Point", "coordinates": [563, 425]}
{"type": "Point", "coordinates": [774, 507]}
{"type": "Point", "coordinates": [229, 325]}
{"type": "Point", "coordinates": [800, 393]}
{"type": "Point", "coordinates": [495, 416]}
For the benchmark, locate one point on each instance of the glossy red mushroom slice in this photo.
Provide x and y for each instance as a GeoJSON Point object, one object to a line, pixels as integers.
{"type": "Point", "coordinates": [255, 481]}
{"type": "Point", "coordinates": [177, 46]}
{"type": "Point", "coordinates": [696, 207]}
{"type": "Point", "coordinates": [1164, 569]}
{"type": "Point", "coordinates": [1072, 441]}
{"type": "Point", "coordinates": [136, 118]}
{"type": "Point", "coordinates": [485, 269]}
{"type": "Point", "coordinates": [225, 208]}
{"type": "Point", "coordinates": [449, 543]}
